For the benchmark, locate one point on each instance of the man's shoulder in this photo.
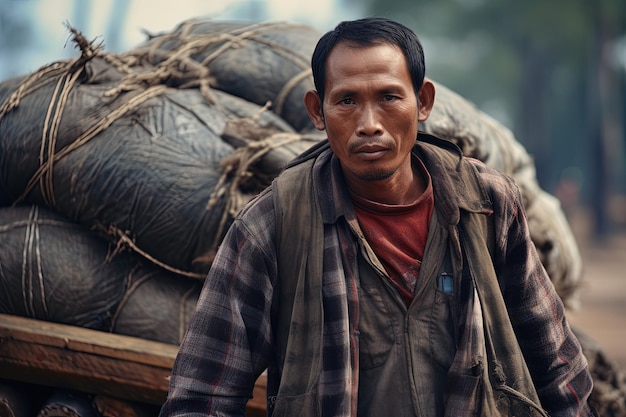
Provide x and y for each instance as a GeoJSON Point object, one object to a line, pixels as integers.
{"type": "Point", "coordinates": [309, 155]}
{"type": "Point", "coordinates": [260, 203]}
{"type": "Point", "coordinates": [444, 147]}
{"type": "Point", "coordinates": [438, 144]}
{"type": "Point", "coordinates": [491, 176]}
{"type": "Point", "coordinates": [498, 185]}
{"type": "Point", "coordinates": [503, 191]}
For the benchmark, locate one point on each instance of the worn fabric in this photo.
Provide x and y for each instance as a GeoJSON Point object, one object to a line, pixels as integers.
{"type": "Point", "coordinates": [231, 339]}
{"type": "Point", "coordinates": [398, 235]}
{"type": "Point", "coordinates": [405, 352]}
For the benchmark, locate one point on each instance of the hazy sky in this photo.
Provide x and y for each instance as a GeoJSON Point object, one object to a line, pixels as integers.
{"type": "Point", "coordinates": [50, 40]}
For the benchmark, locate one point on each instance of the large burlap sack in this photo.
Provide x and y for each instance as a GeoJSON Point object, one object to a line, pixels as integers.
{"type": "Point", "coordinates": [147, 164]}
{"type": "Point", "coordinates": [55, 270]}
{"type": "Point", "coordinates": [158, 308]}
{"type": "Point", "coordinates": [260, 62]}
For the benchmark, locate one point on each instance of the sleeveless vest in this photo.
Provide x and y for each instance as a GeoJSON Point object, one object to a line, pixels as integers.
{"type": "Point", "coordinates": [299, 243]}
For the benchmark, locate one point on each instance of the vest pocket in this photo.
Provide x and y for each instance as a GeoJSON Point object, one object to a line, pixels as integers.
{"type": "Point", "coordinates": [442, 335]}
{"type": "Point", "coordinates": [376, 334]}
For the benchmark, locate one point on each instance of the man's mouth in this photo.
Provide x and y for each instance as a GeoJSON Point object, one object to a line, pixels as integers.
{"type": "Point", "coordinates": [370, 151]}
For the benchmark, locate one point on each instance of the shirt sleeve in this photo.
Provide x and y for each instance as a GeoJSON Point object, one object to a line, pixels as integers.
{"type": "Point", "coordinates": [228, 342]}
{"type": "Point", "coordinates": [552, 352]}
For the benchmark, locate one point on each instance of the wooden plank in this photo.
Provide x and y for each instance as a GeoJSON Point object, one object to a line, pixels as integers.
{"type": "Point", "coordinates": [83, 359]}
{"type": "Point", "coordinates": [88, 341]}
{"type": "Point", "coordinates": [91, 361]}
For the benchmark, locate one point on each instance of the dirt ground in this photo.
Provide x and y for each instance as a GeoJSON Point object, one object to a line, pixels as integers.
{"type": "Point", "coordinates": [603, 298]}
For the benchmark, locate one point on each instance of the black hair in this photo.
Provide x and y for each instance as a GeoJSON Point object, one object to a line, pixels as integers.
{"type": "Point", "coordinates": [367, 32]}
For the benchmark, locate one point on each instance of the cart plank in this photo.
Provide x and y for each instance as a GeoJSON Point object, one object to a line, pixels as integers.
{"type": "Point", "coordinates": [92, 361]}
{"type": "Point", "coordinates": [87, 360]}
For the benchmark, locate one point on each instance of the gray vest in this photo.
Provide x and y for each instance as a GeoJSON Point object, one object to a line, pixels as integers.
{"type": "Point", "coordinates": [299, 257]}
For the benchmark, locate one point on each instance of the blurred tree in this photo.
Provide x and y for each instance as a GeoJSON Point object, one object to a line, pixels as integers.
{"type": "Point", "coordinates": [16, 29]}
{"type": "Point", "coordinates": [544, 69]}
{"type": "Point", "coordinates": [117, 20]}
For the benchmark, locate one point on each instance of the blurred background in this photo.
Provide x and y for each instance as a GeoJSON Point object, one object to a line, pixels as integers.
{"type": "Point", "coordinates": [552, 71]}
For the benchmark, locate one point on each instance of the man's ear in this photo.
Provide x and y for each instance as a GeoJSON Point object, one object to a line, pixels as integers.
{"type": "Point", "coordinates": [313, 106]}
{"type": "Point", "coordinates": [426, 98]}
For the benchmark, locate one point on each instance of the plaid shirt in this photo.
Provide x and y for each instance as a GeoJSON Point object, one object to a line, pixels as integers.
{"type": "Point", "coordinates": [230, 341]}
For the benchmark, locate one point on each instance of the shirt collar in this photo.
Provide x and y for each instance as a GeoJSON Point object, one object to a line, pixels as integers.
{"type": "Point", "coordinates": [443, 160]}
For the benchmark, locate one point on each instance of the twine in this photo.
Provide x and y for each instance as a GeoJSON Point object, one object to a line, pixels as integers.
{"type": "Point", "coordinates": [236, 171]}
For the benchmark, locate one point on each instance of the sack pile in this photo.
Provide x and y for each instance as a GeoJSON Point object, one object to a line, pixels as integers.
{"type": "Point", "coordinates": [59, 271]}
{"type": "Point", "coordinates": [145, 157]}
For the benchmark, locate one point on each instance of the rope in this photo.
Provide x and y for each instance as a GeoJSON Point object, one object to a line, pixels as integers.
{"type": "Point", "coordinates": [89, 134]}
{"type": "Point", "coordinates": [50, 132]}
{"type": "Point", "coordinates": [288, 88]}
{"type": "Point", "coordinates": [31, 252]}
{"type": "Point", "coordinates": [22, 223]}
{"type": "Point", "coordinates": [40, 278]}
{"type": "Point", "coordinates": [236, 168]}
{"type": "Point", "coordinates": [132, 287]}
{"type": "Point", "coordinates": [29, 85]}
{"type": "Point", "coordinates": [27, 286]}
{"type": "Point", "coordinates": [124, 239]}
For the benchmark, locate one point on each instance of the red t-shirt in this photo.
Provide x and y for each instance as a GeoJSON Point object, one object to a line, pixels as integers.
{"type": "Point", "coordinates": [398, 234]}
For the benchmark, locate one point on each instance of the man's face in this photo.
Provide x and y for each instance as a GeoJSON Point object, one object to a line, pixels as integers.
{"type": "Point", "coordinates": [370, 111]}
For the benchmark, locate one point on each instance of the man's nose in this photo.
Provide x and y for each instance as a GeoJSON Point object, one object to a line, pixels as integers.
{"type": "Point", "coordinates": [369, 123]}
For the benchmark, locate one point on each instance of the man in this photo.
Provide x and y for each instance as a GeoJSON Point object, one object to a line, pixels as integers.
{"type": "Point", "coordinates": [380, 275]}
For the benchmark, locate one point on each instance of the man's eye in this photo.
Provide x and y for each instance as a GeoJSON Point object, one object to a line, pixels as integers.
{"type": "Point", "coordinates": [389, 97]}
{"type": "Point", "coordinates": [347, 101]}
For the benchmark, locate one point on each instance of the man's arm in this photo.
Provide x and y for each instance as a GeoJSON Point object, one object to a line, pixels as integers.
{"type": "Point", "coordinates": [552, 352]}
{"type": "Point", "coordinates": [228, 342]}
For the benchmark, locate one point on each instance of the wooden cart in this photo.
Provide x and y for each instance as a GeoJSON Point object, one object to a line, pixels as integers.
{"type": "Point", "coordinates": [115, 370]}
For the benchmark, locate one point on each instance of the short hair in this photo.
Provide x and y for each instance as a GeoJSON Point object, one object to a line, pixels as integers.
{"type": "Point", "coordinates": [367, 32]}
